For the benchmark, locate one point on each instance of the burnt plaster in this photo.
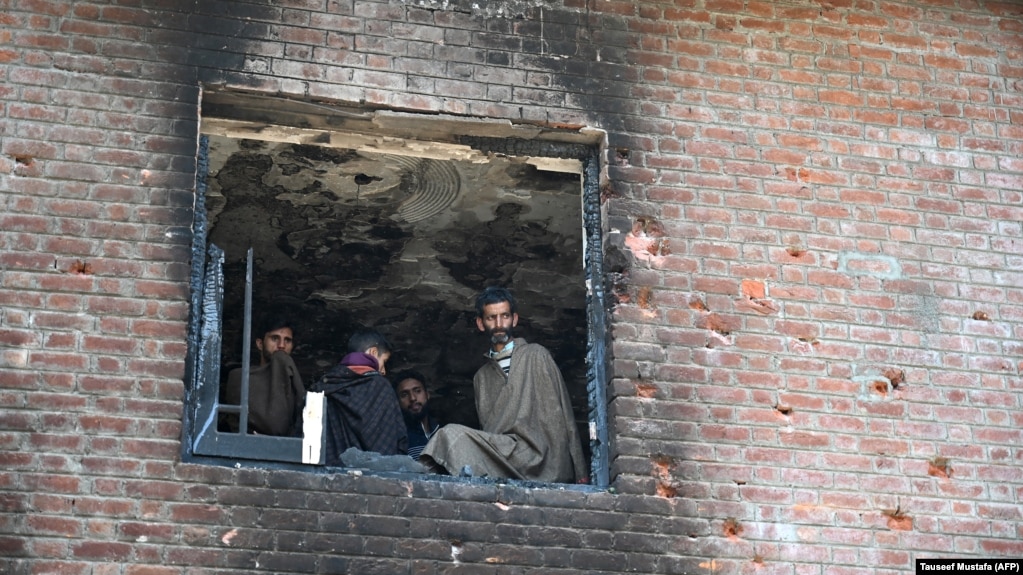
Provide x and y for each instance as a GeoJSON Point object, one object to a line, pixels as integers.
{"type": "Point", "coordinates": [514, 9]}
{"type": "Point", "coordinates": [343, 239]}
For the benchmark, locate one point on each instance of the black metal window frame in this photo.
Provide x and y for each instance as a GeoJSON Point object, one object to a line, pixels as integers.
{"type": "Point", "coordinates": [201, 438]}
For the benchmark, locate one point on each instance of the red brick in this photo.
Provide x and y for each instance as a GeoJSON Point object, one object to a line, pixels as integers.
{"type": "Point", "coordinates": [55, 526]}
{"type": "Point", "coordinates": [99, 550]}
{"type": "Point", "coordinates": [803, 440]}
{"type": "Point", "coordinates": [63, 361]}
{"type": "Point", "coordinates": [61, 320]}
{"type": "Point", "coordinates": [152, 328]}
{"type": "Point", "coordinates": [19, 338]}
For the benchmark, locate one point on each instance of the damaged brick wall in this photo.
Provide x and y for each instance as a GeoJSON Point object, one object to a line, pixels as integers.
{"type": "Point", "coordinates": [815, 245]}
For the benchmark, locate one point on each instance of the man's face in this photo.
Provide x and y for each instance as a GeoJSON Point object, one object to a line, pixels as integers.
{"type": "Point", "coordinates": [497, 322]}
{"type": "Point", "coordinates": [278, 339]}
{"type": "Point", "coordinates": [412, 396]}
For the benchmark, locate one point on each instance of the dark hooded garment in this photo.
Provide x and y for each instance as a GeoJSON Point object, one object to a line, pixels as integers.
{"type": "Point", "coordinates": [360, 410]}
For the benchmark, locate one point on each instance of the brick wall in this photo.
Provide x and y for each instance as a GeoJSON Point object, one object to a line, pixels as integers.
{"type": "Point", "coordinates": [817, 335]}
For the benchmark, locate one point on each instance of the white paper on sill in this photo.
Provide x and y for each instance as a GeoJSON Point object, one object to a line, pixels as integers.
{"type": "Point", "coordinates": [312, 428]}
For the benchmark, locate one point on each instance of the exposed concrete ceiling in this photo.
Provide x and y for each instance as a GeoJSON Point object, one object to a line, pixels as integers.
{"type": "Point", "coordinates": [350, 229]}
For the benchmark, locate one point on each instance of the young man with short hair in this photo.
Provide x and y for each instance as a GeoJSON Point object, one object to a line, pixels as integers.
{"type": "Point", "coordinates": [276, 392]}
{"type": "Point", "coordinates": [361, 410]}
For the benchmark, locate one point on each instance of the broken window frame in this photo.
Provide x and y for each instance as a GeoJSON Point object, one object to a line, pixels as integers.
{"type": "Point", "coordinates": [203, 407]}
{"type": "Point", "coordinates": [201, 438]}
{"type": "Point", "coordinates": [209, 439]}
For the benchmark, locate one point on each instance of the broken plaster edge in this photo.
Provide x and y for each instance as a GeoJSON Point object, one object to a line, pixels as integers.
{"type": "Point", "coordinates": [388, 144]}
{"type": "Point", "coordinates": [397, 123]}
{"type": "Point", "coordinates": [241, 129]}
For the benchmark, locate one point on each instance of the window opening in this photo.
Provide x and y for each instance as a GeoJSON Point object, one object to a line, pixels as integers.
{"type": "Point", "coordinates": [363, 226]}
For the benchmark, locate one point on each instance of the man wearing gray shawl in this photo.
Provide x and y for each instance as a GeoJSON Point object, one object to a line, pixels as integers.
{"type": "Point", "coordinates": [528, 430]}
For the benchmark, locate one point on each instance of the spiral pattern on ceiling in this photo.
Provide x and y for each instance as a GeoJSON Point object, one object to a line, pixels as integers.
{"type": "Point", "coordinates": [434, 186]}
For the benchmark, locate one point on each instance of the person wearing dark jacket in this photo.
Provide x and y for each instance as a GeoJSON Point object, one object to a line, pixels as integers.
{"type": "Point", "coordinates": [360, 408]}
{"type": "Point", "coordinates": [414, 399]}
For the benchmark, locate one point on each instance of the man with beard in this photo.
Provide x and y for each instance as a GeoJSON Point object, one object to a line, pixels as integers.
{"type": "Point", "coordinates": [528, 430]}
{"type": "Point", "coordinates": [414, 399]}
{"type": "Point", "coordinates": [276, 392]}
